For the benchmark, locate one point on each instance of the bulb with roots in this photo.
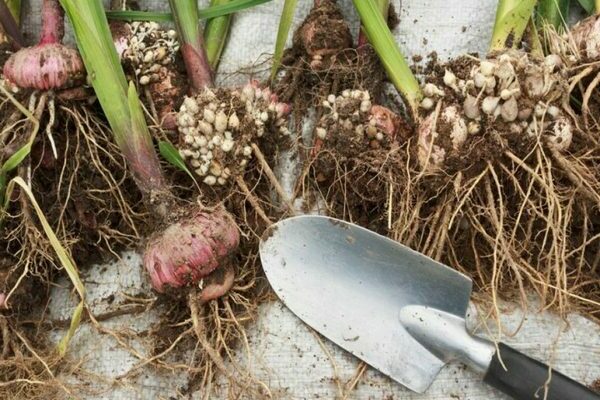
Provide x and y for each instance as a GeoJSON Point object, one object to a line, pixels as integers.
{"type": "Point", "coordinates": [49, 65]}
{"type": "Point", "coordinates": [507, 95]}
{"type": "Point", "coordinates": [188, 251]}
{"type": "Point", "coordinates": [323, 34]}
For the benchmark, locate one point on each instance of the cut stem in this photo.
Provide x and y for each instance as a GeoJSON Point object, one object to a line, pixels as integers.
{"type": "Point", "coordinates": [185, 13]}
{"type": "Point", "coordinates": [215, 35]}
{"type": "Point", "coordinates": [119, 100]}
{"type": "Point", "coordinates": [381, 38]}
{"type": "Point", "coordinates": [53, 22]}
{"type": "Point", "coordinates": [512, 17]}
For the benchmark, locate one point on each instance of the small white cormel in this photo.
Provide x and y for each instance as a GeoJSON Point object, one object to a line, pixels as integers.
{"type": "Point", "coordinates": [427, 103]}
{"type": "Point", "coordinates": [473, 127]}
{"type": "Point", "coordinates": [479, 79]}
{"type": "Point", "coordinates": [553, 112]}
{"type": "Point", "coordinates": [321, 133]}
{"type": "Point", "coordinates": [489, 104]}
{"type": "Point", "coordinates": [430, 90]}
{"type": "Point", "coordinates": [209, 115]}
{"type": "Point", "coordinates": [365, 106]}
{"type": "Point", "coordinates": [221, 121]}
{"type": "Point", "coordinates": [215, 169]}
{"type": "Point", "coordinates": [487, 68]}
{"type": "Point", "coordinates": [248, 92]}
{"type": "Point", "coordinates": [227, 145]}
{"type": "Point", "coordinates": [205, 128]}
{"type": "Point", "coordinates": [234, 121]}
{"type": "Point", "coordinates": [247, 151]}
{"type": "Point", "coordinates": [471, 107]}
{"type": "Point", "coordinates": [144, 80]}
{"type": "Point", "coordinates": [210, 180]}
{"type": "Point", "coordinates": [450, 79]}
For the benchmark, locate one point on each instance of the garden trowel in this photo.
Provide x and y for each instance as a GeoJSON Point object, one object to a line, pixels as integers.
{"type": "Point", "coordinates": [394, 308]}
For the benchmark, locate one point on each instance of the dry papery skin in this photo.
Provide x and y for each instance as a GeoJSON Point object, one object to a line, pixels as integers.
{"type": "Point", "coordinates": [503, 184]}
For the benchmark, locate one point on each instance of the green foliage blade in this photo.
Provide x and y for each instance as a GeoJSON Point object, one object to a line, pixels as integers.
{"type": "Point", "coordinates": [171, 154]}
{"type": "Point", "coordinates": [389, 53]}
{"type": "Point", "coordinates": [211, 12]}
{"type": "Point", "coordinates": [102, 63]}
{"type": "Point", "coordinates": [512, 17]}
{"type": "Point", "coordinates": [553, 12]}
{"type": "Point", "coordinates": [63, 256]}
{"type": "Point", "coordinates": [16, 159]}
{"type": "Point", "coordinates": [285, 23]}
{"type": "Point", "coordinates": [588, 5]}
{"type": "Point", "coordinates": [215, 35]}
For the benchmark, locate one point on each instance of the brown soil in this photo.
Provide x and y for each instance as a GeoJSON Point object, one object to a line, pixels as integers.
{"type": "Point", "coordinates": [337, 66]}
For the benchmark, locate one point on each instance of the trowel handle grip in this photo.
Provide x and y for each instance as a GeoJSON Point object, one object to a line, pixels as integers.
{"type": "Point", "coordinates": [525, 378]}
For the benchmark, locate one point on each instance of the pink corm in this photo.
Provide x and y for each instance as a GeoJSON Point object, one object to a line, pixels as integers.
{"type": "Point", "coordinates": [49, 65]}
{"type": "Point", "coordinates": [189, 250]}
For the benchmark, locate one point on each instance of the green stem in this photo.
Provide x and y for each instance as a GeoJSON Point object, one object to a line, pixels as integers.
{"type": "Point", "coordinates": [553, 12]}
{"type": "Point", "coordinates": [285, 24]}
{"type": "Point", "coordinates": [15, 9]}
{"type": "Point", "coordinates": [384, 8]}
{"type": "Point", "coordinates": [10, 11]}
{"type": "Point", "coordinates": [215, 35]}
{"type": "Point", "coordinates": [597, 6]}
{"type": "Point", "coordinates": [392, 59]}
{"type": "Point", "coordinates": [512, 17]}
{"type": "Point", "coordinates": [185, 13]}
{"type": "Point", "coordinates": [118, 99]}
{"type": "Point", "coordinates": [533, 38]}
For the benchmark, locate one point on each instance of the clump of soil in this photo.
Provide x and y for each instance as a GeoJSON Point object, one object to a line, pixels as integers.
{"type": "Point", "coordinates": [355, 158]}
{"type": "Point", "coordinates": [324, 60]}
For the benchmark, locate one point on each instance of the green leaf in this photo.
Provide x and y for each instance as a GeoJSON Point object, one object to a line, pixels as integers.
{"type": "Point", "coordinates": [512, 17]}
{"type": "Point", "coordinates": [63, 257]}
{"type": "Point", "coordinates": [138, 122]}
{"type": "Point", "coordinates": [119, 102]}
{"type": "Point", "coordinates": [553, 12]}
{"type": "Point", "coordinates": [95, 44]}
{"type": "Point", "coordinates": [171, 154]}
{"type": "Point", "coordinates": [392, 59]}
{"type": "Point", "coordinates": [285, 23]}
{"type": "Point", "coordinates": [588, 6]}
{"type": "Point", "coordinates": [15, 8]}
{"type": "Point", "coordinates": [215, 35]}
{"type": "Point", "coordinates": [211, 12]}
{"type": "Point", "coordinates": [16, 159]}
{"type": "Point", "coordinates": [63, 345]}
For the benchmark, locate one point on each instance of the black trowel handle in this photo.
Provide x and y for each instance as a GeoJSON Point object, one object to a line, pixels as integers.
{"type": "Point", "coordinates": [525, 379]}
